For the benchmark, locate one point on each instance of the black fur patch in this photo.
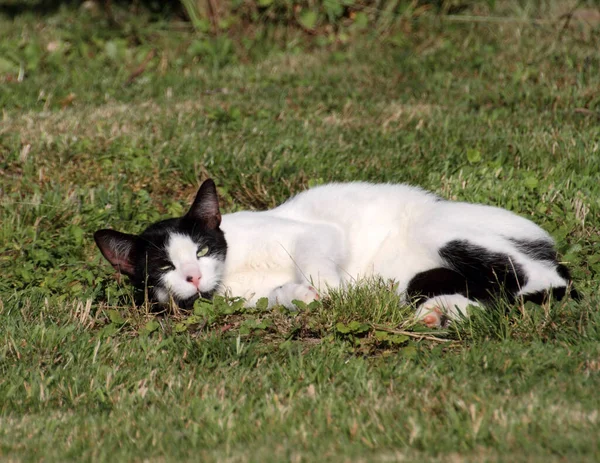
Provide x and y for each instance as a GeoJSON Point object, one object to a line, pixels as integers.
{"type": "Point", "coordinates": [564, 273]}
{"type": "Point", "coordinates": [435, 282]}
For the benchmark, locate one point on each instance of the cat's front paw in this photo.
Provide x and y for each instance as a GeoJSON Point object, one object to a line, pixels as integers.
{"type": "Point", "coordinates": [285, 295]}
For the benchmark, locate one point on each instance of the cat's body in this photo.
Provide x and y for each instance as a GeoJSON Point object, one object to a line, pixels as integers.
{"type": "Point", "coordinates": [444, 255]}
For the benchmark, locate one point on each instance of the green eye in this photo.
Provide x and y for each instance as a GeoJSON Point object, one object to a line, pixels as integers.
{"type": "Point", "coordinates": [202, 252]}
{"type": "Point", "coordinates": [167, 268]}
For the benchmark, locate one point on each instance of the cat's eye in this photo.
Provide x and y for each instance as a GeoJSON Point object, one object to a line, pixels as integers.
{"type": "Point", "coordinates": [167, 268]}
{"type": "Point", "coordinates": [202, 251]}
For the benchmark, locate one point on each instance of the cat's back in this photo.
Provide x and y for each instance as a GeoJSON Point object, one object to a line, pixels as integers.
{"type": "Point", "coordinates": [346, 203]}
{"type": "Point", "coordinates": [479, 219]}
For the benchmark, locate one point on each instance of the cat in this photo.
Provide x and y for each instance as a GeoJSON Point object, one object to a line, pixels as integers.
{"type": "Point", "coordinates": [444, 255]}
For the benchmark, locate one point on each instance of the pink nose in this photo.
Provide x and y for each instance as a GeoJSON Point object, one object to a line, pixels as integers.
{"type": "Point", "coordinates": [193, 279]}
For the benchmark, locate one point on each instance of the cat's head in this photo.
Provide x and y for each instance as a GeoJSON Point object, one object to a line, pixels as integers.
{"type": "Point", "coordinates": [182, 258]}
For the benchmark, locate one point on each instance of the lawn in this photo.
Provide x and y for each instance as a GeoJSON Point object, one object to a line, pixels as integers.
{"type": "Point", "coordinates": [106, 125]}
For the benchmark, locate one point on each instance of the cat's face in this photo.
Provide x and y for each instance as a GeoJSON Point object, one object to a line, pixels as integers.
{"type": "Point", "coordinates": [181, 258]}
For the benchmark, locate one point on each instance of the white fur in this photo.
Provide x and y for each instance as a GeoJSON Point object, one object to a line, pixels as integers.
{"type": "Point", "coordinates": [182, 250]}
{"type": "Point", "coordinates": [340, 233]}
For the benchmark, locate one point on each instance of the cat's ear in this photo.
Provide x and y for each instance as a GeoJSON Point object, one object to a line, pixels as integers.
{"type": "Point", "coordinates": [118, 248]}
{"type": "Point", "coordinates": [206, 205]}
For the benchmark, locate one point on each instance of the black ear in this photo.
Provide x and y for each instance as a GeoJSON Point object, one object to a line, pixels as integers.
{"type": "Point", "coordinates": [206, 205]}
{"type": "Point", "coordinates": [118, 248]}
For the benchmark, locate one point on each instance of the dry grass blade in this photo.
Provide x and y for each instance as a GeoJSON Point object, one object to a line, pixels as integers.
{"type": "Point", "coordinates": [498, 20]}
{"type": "Point", "coordinates": [410, 333]}
{"type": "Point", "coordinates": [141, 68]}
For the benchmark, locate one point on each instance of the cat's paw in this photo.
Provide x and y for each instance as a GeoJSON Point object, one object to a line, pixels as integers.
{"type": "Point", "coordinates": [439, 311]}
{"type": "Point", "coordinates": [285, 295]}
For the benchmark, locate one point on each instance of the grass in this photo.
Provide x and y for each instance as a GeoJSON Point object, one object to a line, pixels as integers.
{"type": "Point", "coordinates": [116, 128]}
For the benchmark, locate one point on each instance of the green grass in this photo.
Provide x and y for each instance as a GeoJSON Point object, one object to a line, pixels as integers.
{"type": "Point", "coordinates": [498, 113]}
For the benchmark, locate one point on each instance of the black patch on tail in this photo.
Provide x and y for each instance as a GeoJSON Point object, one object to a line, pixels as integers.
{"type": "Point", "coordinates": [541, 297]}
{"type": "Point", "coordinates": [544, 250]}
{"type": "Point", "coordinates": [564, 273]}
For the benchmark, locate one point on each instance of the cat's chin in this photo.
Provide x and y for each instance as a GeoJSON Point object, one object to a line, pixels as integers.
{"type": "Point", "coordinates": [188, 304]}
{"type": "Point", "coordinates": [162, 298]}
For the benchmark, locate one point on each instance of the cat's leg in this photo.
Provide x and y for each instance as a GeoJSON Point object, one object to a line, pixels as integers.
{"type": "Point", "coordinates": [318, 257]}
{"type": "Point", "coordinates": [441, 295]}
{"type": "Point", "coordinates": [282, 294]}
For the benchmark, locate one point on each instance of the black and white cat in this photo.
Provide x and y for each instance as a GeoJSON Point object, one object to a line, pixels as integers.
{"type": "Point", "coordinates": [444, 255]}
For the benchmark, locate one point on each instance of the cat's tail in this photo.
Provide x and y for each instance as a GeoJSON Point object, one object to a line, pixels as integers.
{"type": "Point", "coordinates": [557, 292]}
{"type": "Point", "coordinates": [530, 274]}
